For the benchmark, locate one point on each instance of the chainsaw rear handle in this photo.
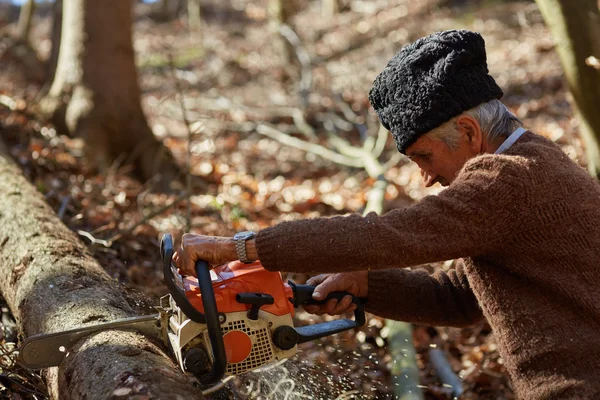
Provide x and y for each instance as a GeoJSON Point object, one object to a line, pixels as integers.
{"type": "Point", "coordinates": [211, 316]}
{"type": "Point", "coordinates": [303, 296]}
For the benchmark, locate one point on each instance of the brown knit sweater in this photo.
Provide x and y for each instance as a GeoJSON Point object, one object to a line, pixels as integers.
{"type": "Point", "coordinates": [527, 223]}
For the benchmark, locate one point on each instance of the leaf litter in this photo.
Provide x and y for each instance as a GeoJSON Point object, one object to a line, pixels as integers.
{"type": "Point", "coordinates": [235, 78]}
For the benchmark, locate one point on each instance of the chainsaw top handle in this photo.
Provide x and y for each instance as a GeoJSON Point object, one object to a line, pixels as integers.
{"type": "Point", "coordinates": [211, 318]}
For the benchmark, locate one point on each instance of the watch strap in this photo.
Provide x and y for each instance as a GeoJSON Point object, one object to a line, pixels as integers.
{"type": "Point", "coordinates": [240, 240]}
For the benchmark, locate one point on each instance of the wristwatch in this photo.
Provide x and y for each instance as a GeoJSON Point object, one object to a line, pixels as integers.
{"type": "Point", "coordinates": [240, 239]}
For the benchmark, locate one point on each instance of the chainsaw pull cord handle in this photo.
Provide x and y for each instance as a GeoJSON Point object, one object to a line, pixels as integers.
{"type": "Point", "coordinates": [303, 296]}
{"type": "Point", "coordinates": [211, 316]}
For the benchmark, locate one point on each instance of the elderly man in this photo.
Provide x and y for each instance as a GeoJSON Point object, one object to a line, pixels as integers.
{"type": "Point", "coordinates": [525, 218]}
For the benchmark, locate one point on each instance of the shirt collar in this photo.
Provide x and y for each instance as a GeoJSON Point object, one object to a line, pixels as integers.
{"type": "Point", "coordinates": [510, 140]}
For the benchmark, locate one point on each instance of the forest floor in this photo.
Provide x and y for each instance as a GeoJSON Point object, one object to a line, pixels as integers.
{"type": "Point", "coordinates": [230, 76]}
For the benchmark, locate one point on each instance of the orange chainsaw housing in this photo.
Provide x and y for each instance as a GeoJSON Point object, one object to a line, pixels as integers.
{"type": "Point", "coordinates": [236, 277]}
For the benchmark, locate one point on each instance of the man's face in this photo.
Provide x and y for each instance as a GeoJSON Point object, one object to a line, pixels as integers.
{"type": "Point", "coordinates": [440, 163]}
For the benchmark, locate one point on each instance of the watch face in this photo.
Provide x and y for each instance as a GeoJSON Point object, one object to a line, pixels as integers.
{"type": "Point", "coordinates": [244, 235]}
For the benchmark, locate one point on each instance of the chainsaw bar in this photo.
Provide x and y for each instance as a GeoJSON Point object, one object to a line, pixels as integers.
{"type": "Point", "coordinates": [48, 349]}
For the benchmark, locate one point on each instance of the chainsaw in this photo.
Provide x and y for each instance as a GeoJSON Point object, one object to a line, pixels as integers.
{"type": "Point", "coordinates": [229, 320]}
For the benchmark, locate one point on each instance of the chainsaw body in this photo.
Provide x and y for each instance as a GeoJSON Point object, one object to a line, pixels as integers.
{"type": "Point", "coordinates": [247, 327]}
{"type": "Point", "coordinates": [253, 325]}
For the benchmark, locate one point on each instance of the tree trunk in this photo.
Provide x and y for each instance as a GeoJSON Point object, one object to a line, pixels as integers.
{"type": "Point", "coordinates": [25, 16]}
{"type": "Point", "coordinates": [194, 20]}
{"type": "Point", "coordinates": [56, 33]}
{"type": "Point", "coordinates": [575, 26]}
{"type": "Point", "coordinates": [95, 94]}
{"type": "Point", "coordinates": [329, 8]}
{"type": "Point", "coordinates": [280, 11]}
{"type": "Point", "coordinates": [51, 283]}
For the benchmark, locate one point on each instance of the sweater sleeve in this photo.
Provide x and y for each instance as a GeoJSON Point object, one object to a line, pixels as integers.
{"type": "Point", "coordinates": [473, 217]}
{"type": "Point", "coordinates": [438, 299]}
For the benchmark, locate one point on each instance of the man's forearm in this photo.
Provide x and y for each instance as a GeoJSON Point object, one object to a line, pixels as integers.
{"type": "Point", "coordinates": [438, 299]}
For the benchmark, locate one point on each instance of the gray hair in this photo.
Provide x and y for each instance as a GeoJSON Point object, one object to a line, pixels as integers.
{"type": "Point", "coordinates": [495, 120]}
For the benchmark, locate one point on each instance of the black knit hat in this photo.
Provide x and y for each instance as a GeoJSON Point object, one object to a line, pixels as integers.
{"type": "Point", "coordinates": [431, 81]}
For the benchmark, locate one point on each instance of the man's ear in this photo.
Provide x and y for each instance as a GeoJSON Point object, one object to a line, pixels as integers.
{"type": "Point", "coordinates": [470, 128]}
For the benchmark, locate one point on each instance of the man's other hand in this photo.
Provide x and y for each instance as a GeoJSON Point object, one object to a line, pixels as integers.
{"type": "Point", "coordinates": [356, 283]}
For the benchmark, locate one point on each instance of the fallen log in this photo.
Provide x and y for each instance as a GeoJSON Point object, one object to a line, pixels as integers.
{"type": "Point", "coordinates": [52, 283]}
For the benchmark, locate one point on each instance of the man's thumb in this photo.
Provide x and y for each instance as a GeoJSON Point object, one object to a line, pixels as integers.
{"type": "Point", "coordinates": [323, 289]}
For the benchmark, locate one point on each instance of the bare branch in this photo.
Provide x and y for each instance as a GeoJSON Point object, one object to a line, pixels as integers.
{"type": "Point", "coordinates": [382, 135]}
{"type": "Point", "coordinates": [395, 159]}
{"type": "Point", "coordinates": [93, 240]}
{"type": "Point", "coordinates": [302, 125]}
{"type": "Point", "coordinates": [317, 149]}
{"type": "Point", "coordinates": [190, 135]}
{"type": "Point", "coordinates": [444, 371]}
{"type": "Point", "coordinates": [376, 196]}
{"type": "Point", "coordinates": [305, 82]}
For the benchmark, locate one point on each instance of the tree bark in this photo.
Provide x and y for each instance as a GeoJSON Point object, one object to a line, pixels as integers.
{"type": "Point", "coordinates": [56, 34]}
{"type": "Point", "coordinates": [95, 94]}
{"type": "Point", "coordinates": [51, 283]}
{"type": "Point", "coordinates": [25, 16]}
{"type": "Point", "coordinates": [575, 26]}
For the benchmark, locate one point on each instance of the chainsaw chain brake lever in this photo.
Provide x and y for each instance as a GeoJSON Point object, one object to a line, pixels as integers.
{"type": "Point", "coordinates": [211, 314]}
{"type": "Point", "coordinates": [303, 296]}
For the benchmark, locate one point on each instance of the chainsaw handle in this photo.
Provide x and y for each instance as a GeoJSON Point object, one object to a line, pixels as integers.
{"type": "Point", "coordinates": [166, 252]}
{"type": "Point", "coordinates": [303, 296]}
{"type": "Point", "coordinates": [219, 364]}
{"type": "Point", "coordinates": [211, 316]}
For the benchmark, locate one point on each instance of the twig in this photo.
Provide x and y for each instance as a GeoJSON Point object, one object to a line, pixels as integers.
{"type": "Point", "coordinates": [337, 121]}
{"type": "Point", "coordinates": [444, 371]}
{"type": "Point", "coordinates": [382, 135]}
{"type": "Point", "coordinates": [63, 206]}
{"type": "Point", "coordinates": [302, 125]}
{"type": "Point", "coordinates": [349, 114]}
{"type": "Point", "coordinates": [306, 73]}
{"type": "Point", "coordinates": [593, 62]}
{"type": "Point", "coordinates": [190, 134]}
{"type": "Point", "coordinates": [93, 240]}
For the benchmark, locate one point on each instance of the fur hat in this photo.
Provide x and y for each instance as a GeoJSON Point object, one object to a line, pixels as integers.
{"type": "Point", "coordinates": [429, 82]}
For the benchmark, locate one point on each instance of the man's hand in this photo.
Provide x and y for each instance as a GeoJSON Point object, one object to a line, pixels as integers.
{"type": "Point", "coordinates": [215, 250]}
{"type": "Point", "coordinates": [356, 283]}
